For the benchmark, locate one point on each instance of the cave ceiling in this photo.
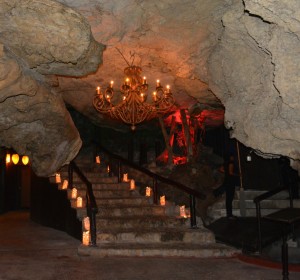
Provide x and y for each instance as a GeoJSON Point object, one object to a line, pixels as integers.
{"type": "Point", "coordinates": [239, 54]}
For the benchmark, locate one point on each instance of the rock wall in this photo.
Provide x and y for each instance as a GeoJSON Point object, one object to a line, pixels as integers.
{"type": "Point", "coordinates": [41, 37]}
{"type": "Point", "coordinates": [255, 71]}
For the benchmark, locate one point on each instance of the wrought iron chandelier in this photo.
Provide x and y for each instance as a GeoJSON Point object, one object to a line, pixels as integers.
{"type": "Point", "coordinates": [133, 108]}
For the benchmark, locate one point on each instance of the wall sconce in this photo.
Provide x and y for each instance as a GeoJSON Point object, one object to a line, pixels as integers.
{"type": "Point", "coordinates": [249, 157]}
{"type": "Point", "coordinates": [25, 160]}
{"type": "Point", "coordinates": [15, 158]}
{"type": "Point", "coordinates": [7, 159]}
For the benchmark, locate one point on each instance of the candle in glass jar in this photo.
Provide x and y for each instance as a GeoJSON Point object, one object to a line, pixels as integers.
{"type": "Point", "coordinates": [162, 200]}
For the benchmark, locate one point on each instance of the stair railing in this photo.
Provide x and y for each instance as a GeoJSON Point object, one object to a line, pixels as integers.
{"type": "Point", "coordinates": [193, 194]}
{"type": "Point", "coordinates": [257, 200]}
{"type": "Point", "coordinates": [91, 205]}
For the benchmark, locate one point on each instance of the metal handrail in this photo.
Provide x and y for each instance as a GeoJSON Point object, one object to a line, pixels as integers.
{"type": "Point", "coordinates": [91, 205]}
{"type": "Point", "coordinates": [156, 177]}
{"type": "Point", "coordinates": [257, 200]}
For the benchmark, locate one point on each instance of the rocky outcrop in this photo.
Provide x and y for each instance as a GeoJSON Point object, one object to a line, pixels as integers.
{"type": "Point", "coordinates": [255, 71]}
{"type": "Point", "coordinates": [41, 37]}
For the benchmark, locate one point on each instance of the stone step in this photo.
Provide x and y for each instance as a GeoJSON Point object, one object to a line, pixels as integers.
{"type": "Point", "coordinates": [251, 194]}
{"type": "Point", "coordinates": [112, 186]}
{"type": "Point", "coordinates": [142, 222]}
{"type": "Point", "coordinates": [159, 250]}
{"type": "Point", "coordinates": [115, 193]}
{"type": "Point", "coordinates": [130, 210]}
{"type": "Point", "coordinates": [156, 235]}
{"type": "Point", "coordinates": [101, 202]}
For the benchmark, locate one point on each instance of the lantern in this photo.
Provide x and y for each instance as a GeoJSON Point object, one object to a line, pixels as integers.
{"type": "Point", "coordinates": [132, 184]}
{"type": "Point", "coordinates": [86, 238]}
{"type": "Point", "coordinates": [79, 202]}
{"type": "Point", "coordinates": [182, 211]}
{"type": "Point", "coordinates": [162, 200]}
{"type": "Point", "coordinates": [7, 159]}
{"type": "Point", "coordinates": [74, 193]}
{"type": "Point", "coordinates": [125, 177]}
{"type": "Point", "coordinates": [65, 185]}
{"type": "Point", "coordinates": [57, 178]}
{"type": "Point", "coordinates": [98, 159]}
{"type": "Point", "coordinates": [15, 158]}
{"type": "Point", "coordinates": [86, 223]}
{"type": "Point", "coordinates": [148, 191]}
{"type": "Point", "coordinates": [25, 160]}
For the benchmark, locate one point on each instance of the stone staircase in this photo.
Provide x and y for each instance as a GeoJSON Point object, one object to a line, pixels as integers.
{"type": "Point", "coordinates": [245, 201]}
{"type": "Point", "coordinates": [129, 224]}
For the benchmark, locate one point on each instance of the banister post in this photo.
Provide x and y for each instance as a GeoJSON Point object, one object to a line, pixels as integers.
{"type": "Point", "coordinates": [193, 211]}
{"type": "Point", "coordinates": [155, 194]}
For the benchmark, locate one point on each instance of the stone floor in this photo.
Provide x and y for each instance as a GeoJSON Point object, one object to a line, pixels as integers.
{"type": "Point", "coordinates": [30, 251]}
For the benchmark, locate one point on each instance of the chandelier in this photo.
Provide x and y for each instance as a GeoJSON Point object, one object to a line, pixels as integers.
{"type": "Point", "coordinates": [133, 108]}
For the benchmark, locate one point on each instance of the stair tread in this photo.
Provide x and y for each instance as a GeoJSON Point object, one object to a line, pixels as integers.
{"type": "Point", "coordinates": [151, 230]}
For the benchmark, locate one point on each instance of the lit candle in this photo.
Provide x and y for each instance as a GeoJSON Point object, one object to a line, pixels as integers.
{"type": "Point", "coordinates": [127, 82]}
{"type": "Point", "coordinates": [125, 177]}
{"type": "Point", "coordinates": [144, 81]}
{"type": "Point", "coordinates": [158, 83]}
{"type": "Point", "coordinates": [74, 193]}
{"type": "Point", "coordinates": [124, 98]}
{"type": "Point", "coordinates": [108, 169]}
{"type": "Point", "coordinates": [98, 159]}
{"type": "Point", "coordinates": [98, 90]}
{"type": "Point", "coordinates": [154, 95]}
{"type": "Point", "coordinates": [168, 89]}
{"type": "Point", "coordinates": [86, 238]}
{"type": "Point", "coordinates": [148, 191]}
{"type": "Point", "coordinates": [132, 184]}
{"type": "Point", "coordinates": [86, 223]}
{"type": "Point", "coordinates": [57, 178]}
{"type": "Point", "coordinates": [8, 158]}
{"type": "Point", "coordinates": [111, 84]}
{"type": "Point", "coordinates": [65, 185]}
{"type": "Point", "coordinates": [79, 202]}
{"type": "Point", "coordinates": [142, 96]}
{"type": "Point", "coordinates": [162, 200]}
{"type": "Point", "coordinates": [182, 211]}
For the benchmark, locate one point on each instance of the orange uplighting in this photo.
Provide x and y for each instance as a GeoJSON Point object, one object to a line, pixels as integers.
{"type": "Point", "coordinates": [25, 160]}
{"type": "Point", "coordinates": [15, 158]}
{"type": "Point", "coordinates": [7, 159]}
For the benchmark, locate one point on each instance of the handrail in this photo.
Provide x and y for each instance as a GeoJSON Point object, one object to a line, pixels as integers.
{"type": "Point", "coordinates": [91, 204]}
{"type": "Point", "coordinates": [257, 200]}
{"type": "Point", "coordinates": [156, 177]}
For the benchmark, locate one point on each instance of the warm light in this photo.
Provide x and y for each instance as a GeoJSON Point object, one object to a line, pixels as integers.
{"type": "Point", "coordinates": [111, 84]}
{"type": "Point", "coordinates": [98, 159]}
{"type": "Point", "coordinates": [74, 193]}
{"type": "Point", "coordinates": [65, 185]}
{"type": "Point", "coordinates": [168, 88]}
{"type": "Point", "coordinates": [108, 169]}
{"type": "Point", "coordinates": [15, 158]}
{"type": "Point", "coordinates": [125, 177]}
{"type": "Point", "coordinates": [158, 83]}
{"type": "Point", "coordinates": [25, 160]}
{"type": "Point", "coordinates": [148, 191]}
{"type": "Point", "coordinates": [162, 200]}
{"type": "Point", "coordinates": [132, 184]}
{"type": "Point", "coordinates": [79, 202]}
{"type": "Point", "coordinates": [86, 223]}
{"type": "Point", "coordinates": [154, 95]}
{"type": "Point", "coordinates": [86, 238]}
{"type": "Point", "coordinates": [144, 81]}
{"type": "Point", "coordinates": [127, 82]}
{"type": "Point", "coordinates": [57, 178]}
{"type": "Point", "coordinates": [7, 159]}
{"type": "Point", "coordinates": [98, 90]}
{"type": "Point", "coordinates": [182, 211]}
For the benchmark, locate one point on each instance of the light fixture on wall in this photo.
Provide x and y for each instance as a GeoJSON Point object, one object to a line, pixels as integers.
{"type": "Point", "coordinates": [133, 108]}
{"type": "Point", "coordinates": [15, 158]}
{"type": "Point", "coordinates": [25, 160]}
{"type": "Point", "coordinates": [7, 158]}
